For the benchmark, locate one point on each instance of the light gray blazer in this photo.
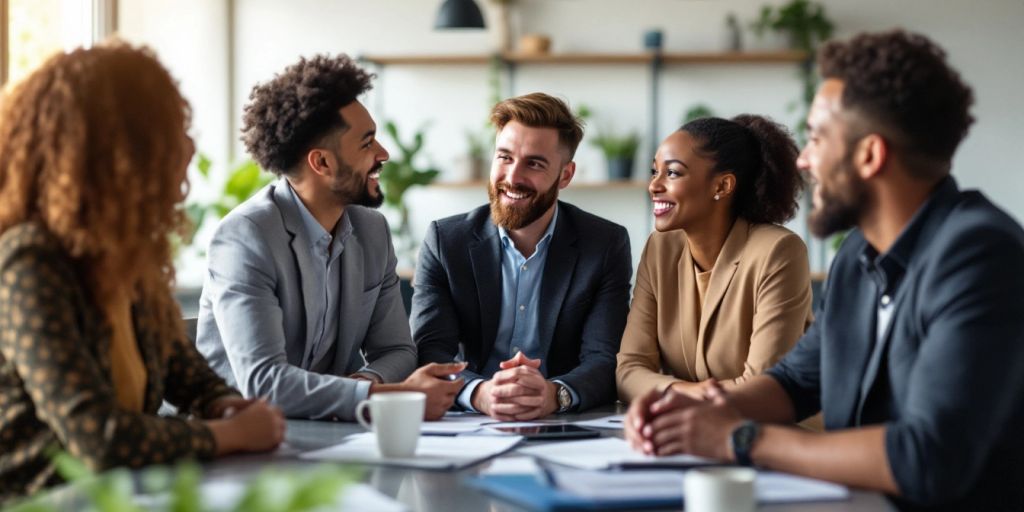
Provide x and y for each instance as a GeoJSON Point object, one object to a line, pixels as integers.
{"type": "Point", "coordinates": [252, 312]}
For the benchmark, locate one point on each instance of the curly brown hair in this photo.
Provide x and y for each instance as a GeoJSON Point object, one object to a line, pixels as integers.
{"type": "Point", "coordinates": [539, 110]}
{"type": "Point", "coordinates": [94, 147]}
{"type": "Point", "coordinates": [286, 116]}
{"type": "Point", "coordinates": [762, 155]}
{"type": "Point", "coordinates": [903, 88]}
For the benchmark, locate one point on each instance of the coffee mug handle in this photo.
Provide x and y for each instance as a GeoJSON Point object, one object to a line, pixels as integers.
{"type": "Point", "coordinates": [360, 416]}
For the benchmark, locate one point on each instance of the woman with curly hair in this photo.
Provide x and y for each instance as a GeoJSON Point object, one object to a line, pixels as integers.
{"type": "Point", "coordinates": [93, 155]}
{"type": "Point", "coordinates": [722, 291]}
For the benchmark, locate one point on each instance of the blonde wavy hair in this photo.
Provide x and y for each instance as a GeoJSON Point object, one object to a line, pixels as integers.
{"type": "Point", "coordinates": [94, 147]}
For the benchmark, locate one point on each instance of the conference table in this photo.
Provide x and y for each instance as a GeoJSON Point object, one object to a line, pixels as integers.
{"type": "Point", "coordinates": [445, 491]}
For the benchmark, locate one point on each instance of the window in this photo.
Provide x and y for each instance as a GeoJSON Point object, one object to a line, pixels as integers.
{"type": "Point", "coordinates": [33, 30]}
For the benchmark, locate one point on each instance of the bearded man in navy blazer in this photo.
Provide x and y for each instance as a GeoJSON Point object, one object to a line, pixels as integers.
{"type": "Point", "coordinates": [916, 355]}
{"type": "Point", "coordinates": [531, 292]}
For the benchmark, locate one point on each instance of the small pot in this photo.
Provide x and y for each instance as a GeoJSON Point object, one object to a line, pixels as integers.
{"type": "Point", "coordinates": [620, 168]}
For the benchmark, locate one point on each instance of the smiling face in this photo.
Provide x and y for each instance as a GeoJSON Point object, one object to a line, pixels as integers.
{"type": "Point", "coordinates": [358, 159]}
{"type": "Point", "coordinates": [683, 184]}
{"type": "Point", "coordinates": [528, 170]}
{"type": "Point", "coordinates": [840, 195]}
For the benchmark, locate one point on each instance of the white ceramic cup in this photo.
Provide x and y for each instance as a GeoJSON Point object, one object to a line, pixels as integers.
{"type": "Point", "coordinates": [395, 418]}
{"type": "Point", "coordinates": [719, 490]}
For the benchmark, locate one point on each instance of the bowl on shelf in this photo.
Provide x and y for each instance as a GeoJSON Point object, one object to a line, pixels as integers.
{"type": "Point", "coordinates": [534, 44]}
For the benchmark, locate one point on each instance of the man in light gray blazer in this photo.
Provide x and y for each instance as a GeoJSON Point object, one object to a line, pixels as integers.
{"type": "Point", "coordinates": [301, 300]}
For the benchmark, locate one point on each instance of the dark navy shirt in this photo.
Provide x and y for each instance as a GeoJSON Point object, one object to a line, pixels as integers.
{"type": "Point", "coordinates": [927, 339]}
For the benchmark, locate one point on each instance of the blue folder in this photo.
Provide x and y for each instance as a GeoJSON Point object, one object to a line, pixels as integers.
{"type": "Point", "coordinates": [529, 492]}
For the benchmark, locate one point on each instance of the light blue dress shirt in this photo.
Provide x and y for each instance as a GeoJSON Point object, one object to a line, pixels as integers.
{"type": "Point", "coordinates": [518, 328]}
{"type": "Point", "coordinates": [323, 316]}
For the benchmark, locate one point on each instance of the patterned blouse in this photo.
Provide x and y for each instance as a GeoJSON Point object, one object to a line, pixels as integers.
{"type": "Point", "coordinates": [55, 383]}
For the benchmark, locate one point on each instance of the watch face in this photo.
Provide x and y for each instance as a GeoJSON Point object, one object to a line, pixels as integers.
{"type": "Point", "coordinates": [564, 398]}
{"type": "Point", "coordinates": [745, 436]}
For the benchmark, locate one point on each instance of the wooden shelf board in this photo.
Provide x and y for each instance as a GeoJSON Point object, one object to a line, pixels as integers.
{"type": "Point", "coordinates": [781, 56]}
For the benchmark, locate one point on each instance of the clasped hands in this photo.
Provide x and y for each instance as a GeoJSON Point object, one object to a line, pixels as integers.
{"type": "Point", "coordinates": [518, 392]}
{"type": "Point", "coordinates": [672, 422]}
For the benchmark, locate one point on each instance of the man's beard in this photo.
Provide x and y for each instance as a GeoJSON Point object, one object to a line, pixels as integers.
{"type": "Point", "coordinates": [513, 217]}
{"type": "Point", "coordinates": [843, 204]}
{"type": "Point", "coordinates": [350, 187]}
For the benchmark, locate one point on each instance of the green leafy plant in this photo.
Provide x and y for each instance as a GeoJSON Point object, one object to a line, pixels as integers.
{"type": "Point", "coordinates": [617, 146]}
{"type": "Point", "coordinates": [244, 180]}
{"type": "Point", "coordinates": [697, 111]}
{"type": "Point", "coordinates": [806, 25]}
{"type": "Point", "coordinates": [178, 489]}
{"type": "Point", "coordinates": [401, 173]}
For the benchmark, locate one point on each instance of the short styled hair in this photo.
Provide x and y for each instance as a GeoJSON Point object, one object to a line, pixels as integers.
{"type": "Point", "coordinates": [902, 86]}
{"type": "Point", "coordinates": [291, 113]}
{"type": "Point", "coordinates": [539, 110]}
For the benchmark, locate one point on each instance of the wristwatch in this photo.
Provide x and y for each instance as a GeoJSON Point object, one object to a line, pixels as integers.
{"type": "Point", "coordinates": [742, 441]}
{"type": "Point", "coordinates": [564, 397]}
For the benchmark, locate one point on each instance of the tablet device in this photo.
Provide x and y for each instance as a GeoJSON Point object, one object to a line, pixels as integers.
{"type": "Point", "coordinates": [550, 432]}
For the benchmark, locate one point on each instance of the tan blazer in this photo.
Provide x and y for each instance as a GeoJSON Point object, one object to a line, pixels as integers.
{"type": "Point", "coordinates": [758, 303]}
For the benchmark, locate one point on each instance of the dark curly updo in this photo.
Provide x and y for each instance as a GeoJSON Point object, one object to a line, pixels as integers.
{"type": "Point", "coordinates": [901, 86]}
{"type": "Point", "coordinates": [762, 156]}
{"type": "Point", "coordinates": [286, 116]}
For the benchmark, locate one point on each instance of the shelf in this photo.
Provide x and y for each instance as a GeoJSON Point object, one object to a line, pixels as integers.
{"type": "Point", "coordinates": [751, 57]}
{"type": "Point", "coordinates": [582, 185]}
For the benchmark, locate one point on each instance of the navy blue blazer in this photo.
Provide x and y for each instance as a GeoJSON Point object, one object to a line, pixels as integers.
{"type": "Point", "coordinates": [584, 297]}
{"type": "Point", "coordinates": [948, 379]}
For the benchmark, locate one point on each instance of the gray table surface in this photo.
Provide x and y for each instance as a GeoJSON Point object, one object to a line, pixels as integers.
{"type": "Point", "coordinates": [444, 491]}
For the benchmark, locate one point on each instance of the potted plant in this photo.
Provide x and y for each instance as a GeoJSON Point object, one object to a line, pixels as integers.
{"type": "Point", "coordinates": [398, 175]}
{"type": "Point", "coordinates": [806, 25]}
{"type": "Point", "coordinates": [619, 152]}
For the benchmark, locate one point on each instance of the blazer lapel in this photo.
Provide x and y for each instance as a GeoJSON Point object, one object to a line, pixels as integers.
{"type": "Point", "coordinates": [558, 272]}
{"type": "Point", "coordinates": [721, 276]}
{"type": "Point", "coordinates": [689, 310]}
{"type": "Point", "coordinates": [300, 246]}
{"type": "Point", "coordinates": [484, 255]}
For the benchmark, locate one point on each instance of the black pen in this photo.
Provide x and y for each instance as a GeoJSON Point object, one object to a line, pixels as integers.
{"type": "Point", "coordinates": [546, 472]}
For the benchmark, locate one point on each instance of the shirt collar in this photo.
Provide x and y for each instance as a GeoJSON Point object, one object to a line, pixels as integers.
{"type": "Point", "coordinates": [544, 239]}
{"type": "Point", "coordinates": [314, 230]}
{"type": "Point", "coordinates": [895, 261]}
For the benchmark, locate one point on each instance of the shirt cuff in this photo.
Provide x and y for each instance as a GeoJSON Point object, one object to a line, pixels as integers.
{"type": "Point", "coordinates": [367, 369]}
{"type": "Point", "coordinates": [465, 398]}
{"type": "Point", "coordinates": [362, 389]}
{"type": "Point", "coordinates": [572, 392]}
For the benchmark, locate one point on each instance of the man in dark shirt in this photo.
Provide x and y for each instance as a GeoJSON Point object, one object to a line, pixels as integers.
{"type": "Point", "coordinates": [916, 355]}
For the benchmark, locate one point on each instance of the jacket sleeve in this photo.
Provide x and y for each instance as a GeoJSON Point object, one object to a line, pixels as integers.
{"type": "Point", "coordinates": [241, 284]}
{"type": "Point", "coordinates": [189, 382]}
{"type": "Point", "coordinates": [782, 308]}
{"type": "Point", "coordinates": [639, 360]}
{"type": "Point", "coordinates": [433, 318]}
{"type": "Point", "coordinates": [41, 336]}
{"type": "Point", "coordinates": [968, 378]}
{"type": "Point", "coordinates": [388, 346]}
{"type": "Point", "coordinates": [593, 380]}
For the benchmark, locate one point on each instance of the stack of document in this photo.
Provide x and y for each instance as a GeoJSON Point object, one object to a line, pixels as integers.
{"type": "Point", "coordinates": [432, 452]}
{"type": "Point", "coordinates": [574, 489]}
{"type": "Point", "coordinates": [608, 453]}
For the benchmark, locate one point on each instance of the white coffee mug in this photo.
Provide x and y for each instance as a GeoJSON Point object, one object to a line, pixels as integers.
{"type": "Point", "coordinates": [719, 490]}
{"type": "Point", "coordinates": [395, 418]}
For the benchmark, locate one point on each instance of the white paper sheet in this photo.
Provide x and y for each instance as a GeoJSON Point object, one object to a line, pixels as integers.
{"type": "Point", "coordinates": [770, 487]}
{"type": "Point", "coordinates": [432, 452]}
{"type": "Point", "coordinates": [609, 422]}
{"type": "Point", "coordinates": [512, 465]}
{"type": "Point", "coordinates": [604, 453]}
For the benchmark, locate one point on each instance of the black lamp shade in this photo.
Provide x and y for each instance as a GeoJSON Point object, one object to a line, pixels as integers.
{"type": "Point", "coordinates": [459, 14]}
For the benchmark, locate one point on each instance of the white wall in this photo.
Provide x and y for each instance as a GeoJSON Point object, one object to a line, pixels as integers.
{"type": "Point", "coordinates": [982, 38]}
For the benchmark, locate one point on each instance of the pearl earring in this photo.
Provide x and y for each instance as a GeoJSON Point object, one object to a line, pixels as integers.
{"type": "Point", "coordinates": [717, 197]}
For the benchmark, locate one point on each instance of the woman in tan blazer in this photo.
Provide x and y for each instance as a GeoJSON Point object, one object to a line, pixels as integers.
{"type": "Point", "coordinates": [722, 291]}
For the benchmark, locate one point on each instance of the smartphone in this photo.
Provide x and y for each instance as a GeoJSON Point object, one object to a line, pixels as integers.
{"type": "Point", "coordinates": [550, 432]}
